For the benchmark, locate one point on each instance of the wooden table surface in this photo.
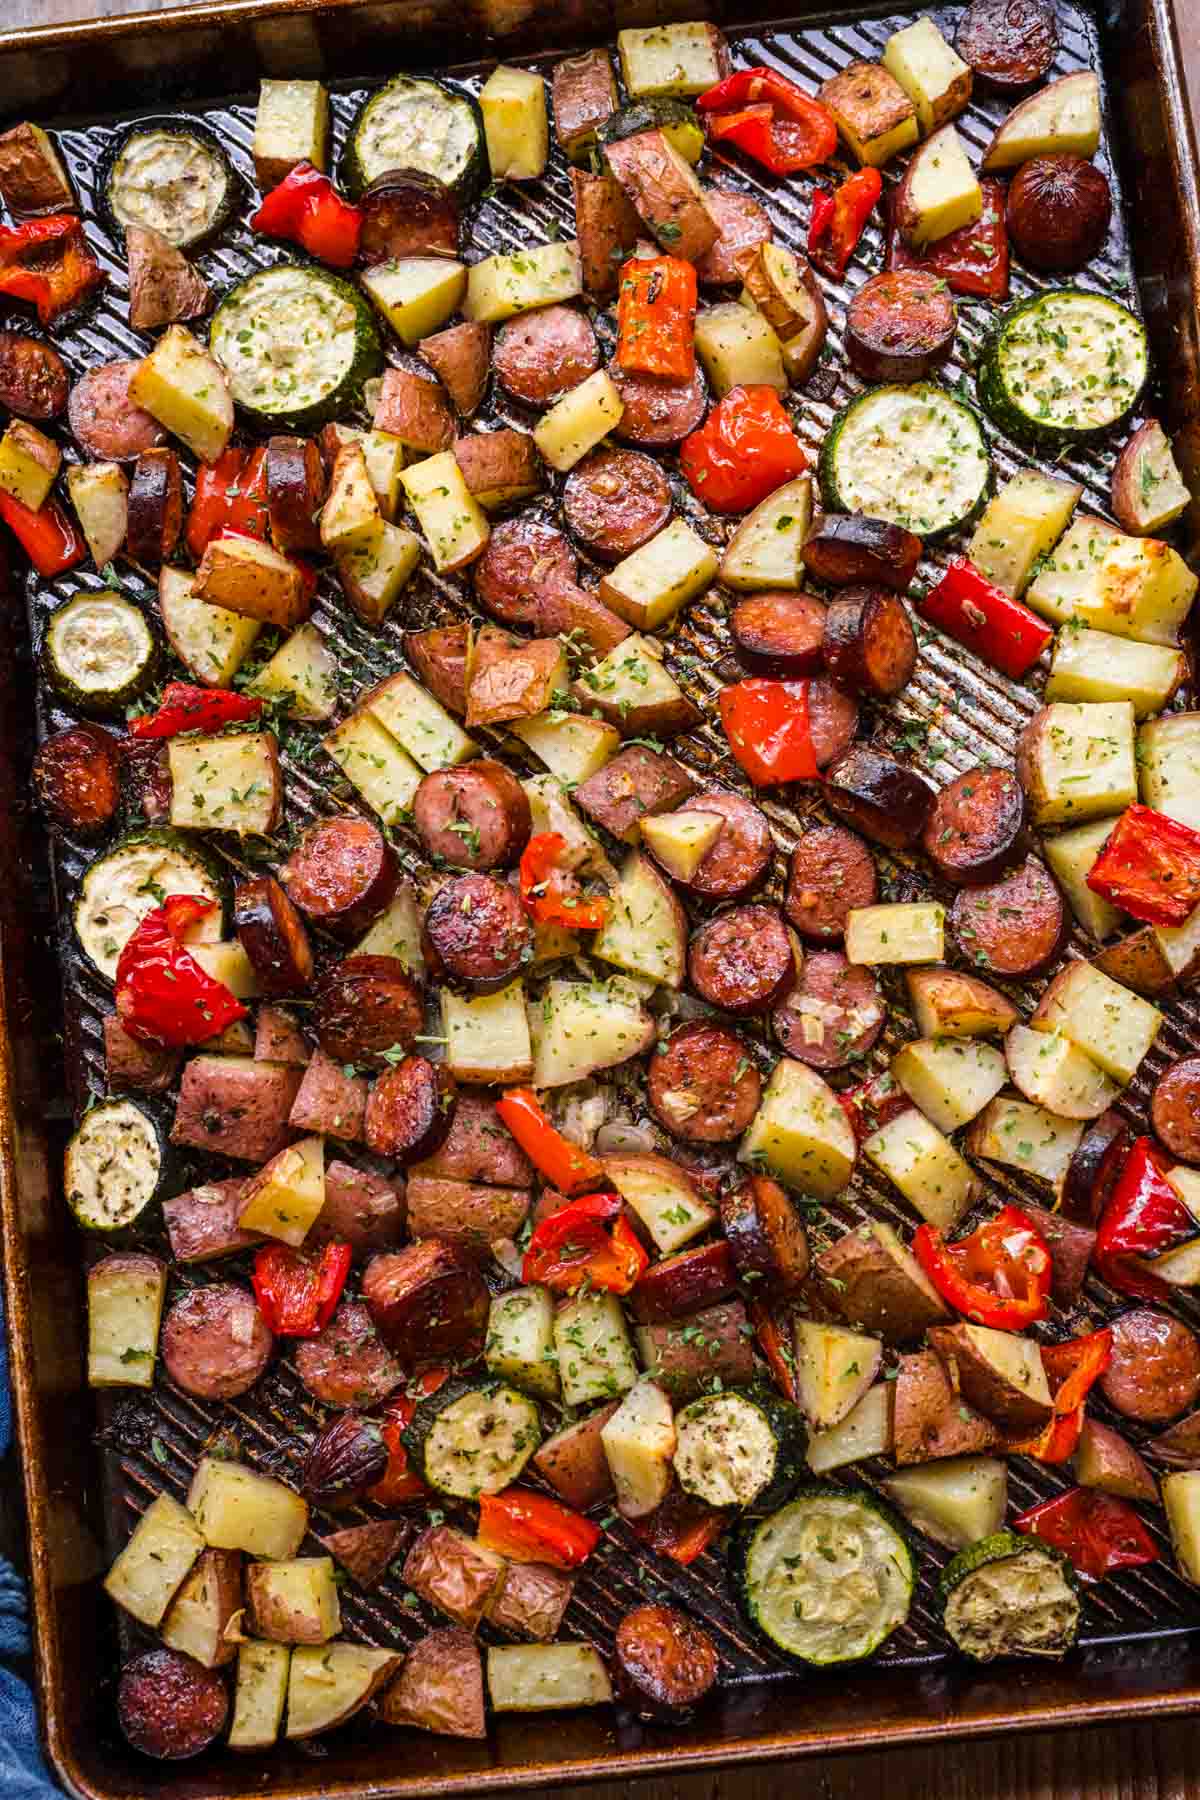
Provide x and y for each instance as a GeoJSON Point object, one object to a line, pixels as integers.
{"type": "Point", "coordinates": [1133, 1763]}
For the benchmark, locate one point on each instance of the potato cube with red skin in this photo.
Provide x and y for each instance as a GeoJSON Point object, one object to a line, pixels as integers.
{"type": "Point", "coordinates": [479, 1148]}
{"type": "Point", "coordinates": [930, 1419]}
{"type": "Point", "coordinates": [361, 1209]}
{"type": "Point", "coordinates": [467, 1213]}
{"type": "Point", "coordinates": [202, 1224]}
{"type": "Point", "coordinates": [330, 1099]}
{"type": "Point", "coordinates": [235, 1106]}
{"type": "Point", "coordinates": [414, 410]}
{"type": "Point", "coordinates": [573, 1460]}
{"type": "Point", "coordinates": [278, 1038]}
{"type": "Point", "coordinates": [440, 1687]}
{"type": "Point", "coordinates": [454, 1573]}
{"type": "Point", "coordinates": [531, 1600]}
{"type": "Point", "coordinates": [134, 1066]}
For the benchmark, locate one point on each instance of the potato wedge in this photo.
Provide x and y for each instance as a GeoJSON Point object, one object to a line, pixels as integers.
{"type": "Point", "coordinates": [940, 192]}
{"type": "Point", "coordinates": [999, 1373]}
{"type": "Point", "coordinates": [639, 1443]}
{"type": "Point", "coordinates": [955, 1502]}
{"type": "Point", "coordinates": [924, 1165]}
{"type": "Point", "coordinates": [866, 1430]}
{"type": "Point", "coordinates": [329, 1683]}
{"type": "Point", "coordinates": [834, 1368]}
{"type": "Point", "coordinates": [1048, 1069]}
{"type": "Point", "coordinates": [800, 1132]}
{"type": "Point", "coordinates": [930, 1419]}
{"type": "Point", "coordinates": [874, 1281]}
{"type": "Point", "coordinates": [646, 930]}
{"type": "Point", "coordinates": [946, 1003]}
{"type": "Point", "coordinates": [1108, 1023]}
{"type": "Point", "coordinates": [1076, 761]}
{"type": "Point", "coordinates": [951, 1081]}
{"type": "Point", "coordinates": [1148, 492]}
{"type": "Point", "coordinates": [1062, 116]}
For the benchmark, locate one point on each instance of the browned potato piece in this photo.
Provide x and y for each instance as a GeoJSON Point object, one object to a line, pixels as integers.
{"type": "Point", "coordinates": [573, 1460]}
{"type": "Point", "coordinates": [454, 1573]}
{"type": "Point", "coordinates": [665, 192]}
{"type": "Point", "coordinates": [32, 177]}
{"type": "Point", "coordinates": [998, 1372]}
{"type": "Point", "coordinates": [440, 1687]}
{"type": "Point", "coordinates": [513, 678]}
{"type": "Point", "coordinates": [1104, 1460]}
{"type": "Point", "coordinates": [365, 1551]}
{"type": "Point", "coordinates": [930, 1419]}
{"type": "Point", "coordinates": [948, 1004]}
{"type": "Point", "coordinates": [1147, 489]}
{"type": "Point", "coordinates": [1137, 962]}
{"type": "Point", "coordinates": [873, 1280]}
{"type": "Point", "coordinates": [875, 117]}
{"type": "Point", "coordinates": [499, 466]}
{"type": "Point", "coordinates": [531, 1600]}
{"type": "Point", "coordinates": [251, 578]}
{"type": "Point", "coordinates": [199, 1617]}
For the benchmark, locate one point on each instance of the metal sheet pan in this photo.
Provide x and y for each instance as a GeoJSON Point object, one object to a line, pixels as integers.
{"type": "Point", "coordinates": [85, 1472]}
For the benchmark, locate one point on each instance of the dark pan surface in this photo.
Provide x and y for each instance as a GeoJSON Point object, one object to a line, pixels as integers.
{"type": "Point", "coordinates": [955, 713]}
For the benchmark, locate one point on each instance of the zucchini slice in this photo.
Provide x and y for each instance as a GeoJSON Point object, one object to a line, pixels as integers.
{"type": "Point", "coordinates": [737, 1448]}
{"type": "Point", "coordinates": [297, 345]}
{"type": "Point", "coordinates": [829, 1576]}
{"type": "Point", "coordinates": [1010, 1595]}
{"type": "Point", "coordinates": [915, 456]}
{"type": "Point", "coordinates": [133, 878]}
{"type": "Point", "coordinates": [99, 652]}
{"type": "Point", "coordinates": [473, 1437]}
{"type": "Point", "coordinates": [677, 122]}
{"type": "Point", "coordinates": [171, 175]}
{"type": "Point", "coordinates": [415, 123]}
{"type": "Point", "coordinates": [1062, 366]}
{"type": "Point", "coordinates": [113, 1166]}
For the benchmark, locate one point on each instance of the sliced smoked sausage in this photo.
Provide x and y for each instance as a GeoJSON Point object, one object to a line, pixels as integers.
{"type": "Point", "coordinates": [272, 934]}
{"type": "Point", "coordinates": [342, 873]}
{"type": "Point", "coordinates": [477, 932]}
{"type": "Point", "coordinates": [33, 377]}
{"type": "Point", "coordinates": [974, 831]}
{"type": "Point", "coordinates": [779, 634]}
{"type": "Point", "coordinates": [410, 1110]}
{"type": "Point", "coordinates": [832, 873]}
{"type": "Point", "coordinates": [764, 1232]}
{"type": "Point", "coordinates": [832, 720]}
{"type": "Point", "coordinates": [77, 778]}
{"type": "Point", "coordinates": [215, 1342]}
{"type": "Point", "coordinates": [1175, 1109]}
{"type": "Point", "coordinates": [900, 325]}
{"type": "Point", "coordinates": [664, 1662]}
{"type": "Point", "coordinates": [740, 859]}
{"type": "Point", "coordinates": [524, 558]}
{"type": "Point", "coordinates": [616, 500]}
{"type": "Point", "coordinates": [848, 549]}
{"type": "Point", "coordinates": [1014, 927]}
{"type": "Point", "coordinates": [347, 1364]}
{"type": "Point", "coordinates": [869, 644]}
{"type": "Point", "coordinates": [658, 413]}
{"type": "Point", "coordinates": [106, 424]}
{"type": "Point", "coordinates": [475, 817]}
{"type": "Point", "coordinates": [1155, 1370]}
{"type": "Point", "coordinates": [542, 354]}
{"type": "Point", "coordinates": [702, 1086]}
{"type": "Point", "coordinates": [429, 1302]}
{"type": "Point", "coordinates": [170, 1706]}
{"type": "Point", "coordinates": [366, 1006]}
{"type": "Point", "coordinates": [834, 1013]}
{"type": "Point", "coordinates": [885, 800]}
{"type": "Point", "coordinates": [743, 960]}
{"type": "Point", "coordinates": [1010, 44]}
{"type": "Point", "coordinates": [687, 1283]}
{"type": "Point", "coordinates": [742, 224]}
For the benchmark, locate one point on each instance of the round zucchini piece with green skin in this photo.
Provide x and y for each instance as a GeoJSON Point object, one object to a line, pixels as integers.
{"type": "Point", "coordinates": [472, 1437]}
{"type": "Point", "coordinates": [829, 1576]}
{"type": "Point", "coordinates": [100, 652]}
{"type": "Point", "coordinates": [916, 456]}
{"type": "Point", "coordinates": [134, 877]}
{"type": "Point", "coordinates": [739, 1448]}
{"type": "Point", "coordinates": [1010, 1595]}
{"type": "Point", "coordinates": [297, 345]}
{"type": "Point", "coordinates": [1062, 366]}
{"type": "Point", "coordinates": [113, 1166]}
{"type": "Point", "coordinates": [416, 123]}
{"type": "Point", "coordinates": [171, 175]}
{"type": "Point", "coordinates": [677, 122]}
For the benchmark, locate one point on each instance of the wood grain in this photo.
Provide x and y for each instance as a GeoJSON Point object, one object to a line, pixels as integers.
{"type": "Point", "coordinates": [1133, 1763]}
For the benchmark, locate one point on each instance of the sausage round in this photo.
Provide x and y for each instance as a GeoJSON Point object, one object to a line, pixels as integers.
{"type": "Point", "coordinates": [616, 500]}
{"type": "Point", "coordinates": [215, 1342]}
{"type": "Point", "coordinates": [272, 934]}
{"type": "Point", "coordinates": [1014, 927]}
{"type": "Point", "coordinates": [779, 633]}
{"type": "Point", "coordinates": [834, 1013]}
{"type": "Point", "coordinates": [1009, 43]}
{"type": "Point", "coordinates": [1155, 1370]}
{"type": "Point", "coordinates": [361, 1209]}
{"type": "Point", "coordinates": [1094, 1167]}
{"type": "Point", "coordinates": [743, 960]}
{"type": "Point", "coordinates": [366, 1006]}
{"type": "Point", "coordinates": [832, 720]}
{"type": "Point", "coordinates": [973, 833]}
{"type": "Point", "coordinates": [686, 1283]}
{"type": "Point", "coordinates": [702, 1086]}
{"type": "Point", "coordinates": [347, 1364]}
{"type": "Point", "coordinates": [477, 932]}
{"type": "Point", "coordinates": [848, 549]}
{"type": "Point", "coordinates": [428, 1300]}
{"type": "Point", "coordinates": [106, 424]}
{"type": "Point", "coordinates": [664, 1662]}
{"type": "Point", "coordinates": [475, 817]}
{"type": "Point", "coordinates": [342, 873]}
{"type": "Point", "coordinates": [146, 766]}
{"type": "Point", "coordinates": [33, 377]}
{"type": "Point", "coordinates": [524, 558]}
{"type": "Point", "coordinates": [886, 801]}
{"type": "Point", "coordinates": [77, 778]}
{"type": "Point", "coordinates": [658, 413]}
{"type": "Point", "coordinates": [155, 507]}
{"type": "Point", "coordinates": [869, 643]}
{"type": "Point", "coordinates": [406, 213]}
{"type": "Point", "coordinates": [741, 856]}
{"type": "Point", "coordinates": [1175, 1109]}
{"type": "Point", "coordinates": [764, 1232]}
{"type": "Point", "coordinates": [832, 872]}
{"type": "Point", "coordinates": [742, 224]}
{"type": "Point", "coordinates": [900, 325]}
{"type": "Point", "coordinates": [170, 1706]}
{"type": "Point", "coordinates": [410, 1110]}
{"type": "Point", "coordinates": [542, 354]}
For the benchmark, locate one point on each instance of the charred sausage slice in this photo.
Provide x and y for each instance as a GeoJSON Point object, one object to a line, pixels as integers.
{"type": "Point", "coordinates": [406, 212]}
{"type": "Point", "coordinates": [1010, 44]}
{"type": "Point", "coordinates": [683, 1284]}
{"type": "Point", "coordinates": [849, 549]}
{"type": "Point", "coordinates": [542, 354]}
{"type": "Point", "coordinates": [273, 936]}
{"type": "Point", "coordinates": [525, 558]}
{"type": "Point", "coordinates": [834, 1013]}
{"type": "Point", "coordinates": [766, 1237]}
{"type": "Point", "coordinates": [347, 1364]}
{"type": "Point", "coordinates": [476, 816]}
{"type": "Point", "coordinates": [973, 834]}
{"type": "Point", "coordinates": [295, 482]}
{"type": "Point", "coordinates": [832, 720]}
{"type": "Point", "coordinates": [428, 1301]}
{"type": "Point", "coordinates": [1175, 1109]}
{"type": "Point", "coordinates": [743, 960]}
{"type": "Point", "coordinates": [658, 413]}
{"type": "Point", "coordinates": [779, 633]}
{"type": "Point", "coordinates": [342, 873]}
{"type": "Point", "coordinates": [155, 507]}
{"type": "Point", "coordinates": [107, 426]}
{"type": "Point", "coordinates": [900, 325]}
{"type": "Point", "coordinates": [740, 859]}
{"type": "Point", "coordinates": [215, 1342]}
{"type": "Point", "coordinates": [614, 501]}
{"type": "Point", "coordinates": [1014, 927]}
{"type": "Point", "coordinates": [832, 872]}
{"type": "Point", "coordinates": [742, 224]}
{"type": "Point", "coordinates": [77, 778]}
{"type": "Point", "coordinates": [366, 1006]}
{"type": "Point", "coordinates": [33, 377]}
{"type": "Point", "coordinates": [1094, 1167]}
{"type": "Point", "coordinates": [702, 1086]}
{"type": "Point", "coordinates": [477, 932]}
{"type": "Point", "coordinates": [869, 643]}
{"type": "Point", "coordinates": [410, 1110]}
{"type": "Point", "coordinates": [886, 801]}
{"type": "Point", "coordinates": [170, 1706]}
{"type": "Point", "coordinates": [1155, 1370]}
{"type": "Point", "coordinates": [665, 1663]}
{"type": "Point", "coordinates": [361, 1209]}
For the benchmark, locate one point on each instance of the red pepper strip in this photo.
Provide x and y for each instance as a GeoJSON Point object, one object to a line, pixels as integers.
{"type": "Point", "coordinates": [767, 725]}
{"type": "Point", "coordinates": [231, 494]}
{"type": "Point", "coordinates": [297, 1296]}
{"type": "Point", "coordinates": [656, 309]}
{"type": "Point", "coordinates": [188, 708]}
{"type": "Point", "coordinates": [770, 118]}
{"type": "Point", "coordinates": [50, 539]}
{"type": "Point", "coordinates": [529, 1527]}
{"type": "Point", "coordinates": [1149, 867]}
{"type": "Point", "coordinates": [1097, 1531]}
{"type": "Point", "coordinates": [1144, 1217]}
{"type": "Point", "coordinates": [682, 1527]}
{"type": "Point", "coordinates": [873, 1104]}
{"type": "Point", "coordinates": [398, 1483]}
{"type": "Point", "coordinates": [307, 209]}
{"type": "Point", "coordinates": [1072, 1368]}
{"type": "Point", "coordinates": [745, 449]}
{"type": "Point", "coordinates": [984, 618]}
{"type": "Point", "coordinates": [834, 230]}
{"type": "Point", "coordinates": [973, 260]}
{"type": "Point", "coordinates": [774, 1339]}
{"type": "Point", "coordinates": [998, 1276]}
{"type": "Point", "coordinates": [550, 891]}
{"type": "Point", "coordinates": [560, 1162]}
{"type": "Point", "coordinates": [163, 995]}
{"type": "Point", "coordinates": [573, 1246]}
{"type": "Point", "coordinates": [47, 262]}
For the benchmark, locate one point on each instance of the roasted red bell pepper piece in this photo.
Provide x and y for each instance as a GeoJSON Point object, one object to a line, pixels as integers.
{"type": "Point", "coordinates": [163, 995]}
{"type": "Point", "coordinates": [773, 1335]}
{"type": "Point", "coordinates": [768, 729]}
{"type": "Point", "coordinates": [307, 209]}
{"type": "Point", "coordinates": [682, 1528]}
{"type": "Point", "coordinates": [50, 539]}
{"type": "Point", "coordinates": [871, 1104]}
{"type": "Point", "coordinates": [998, 1276]}
{"type": "Point", "coordinates": [231, 494]}
{"type": "Point", "coordinates": [529, 1527]}
{"type": "Point", "coordinates": [656, 312]}
{"type": "Point", "coordinates": [969, 607]}
{"type": "Point", "coordinates": [187, 708]}
{"type": "Point", "coordinates": [1097, 1531]}
{"type": "Point", "coordinates": [1072, 1369]}
{"type": "Point", "coordinates": [745, 449]}
{"type": "Point", "coordinates": [298, 1294]}
{"type": "Point", "coordinates": [586, 1241]}
{"type": "Point", "coordinates": [972, 261]}
{"type": "Point", "coordinates": [47, 262]}
{"type": "Point", "coordinates": [838, 220]}
{"type": "Point", "coordinates": [398, 1483]}
{"type": "Point", "coordinates": [557, 1160]}
{"type": "Point", "coordinates": [550, 890]}
{"type": "Point", "coordinates": [1144, 1217]}
{"type": "Point", "coordinates": [1149, 867]}
{"type": "Point", "coordinates": [771, 119]}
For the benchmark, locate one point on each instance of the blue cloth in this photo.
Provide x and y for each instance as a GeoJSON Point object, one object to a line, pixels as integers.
{"type": "Point", "coordinates": [23, 1774]}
